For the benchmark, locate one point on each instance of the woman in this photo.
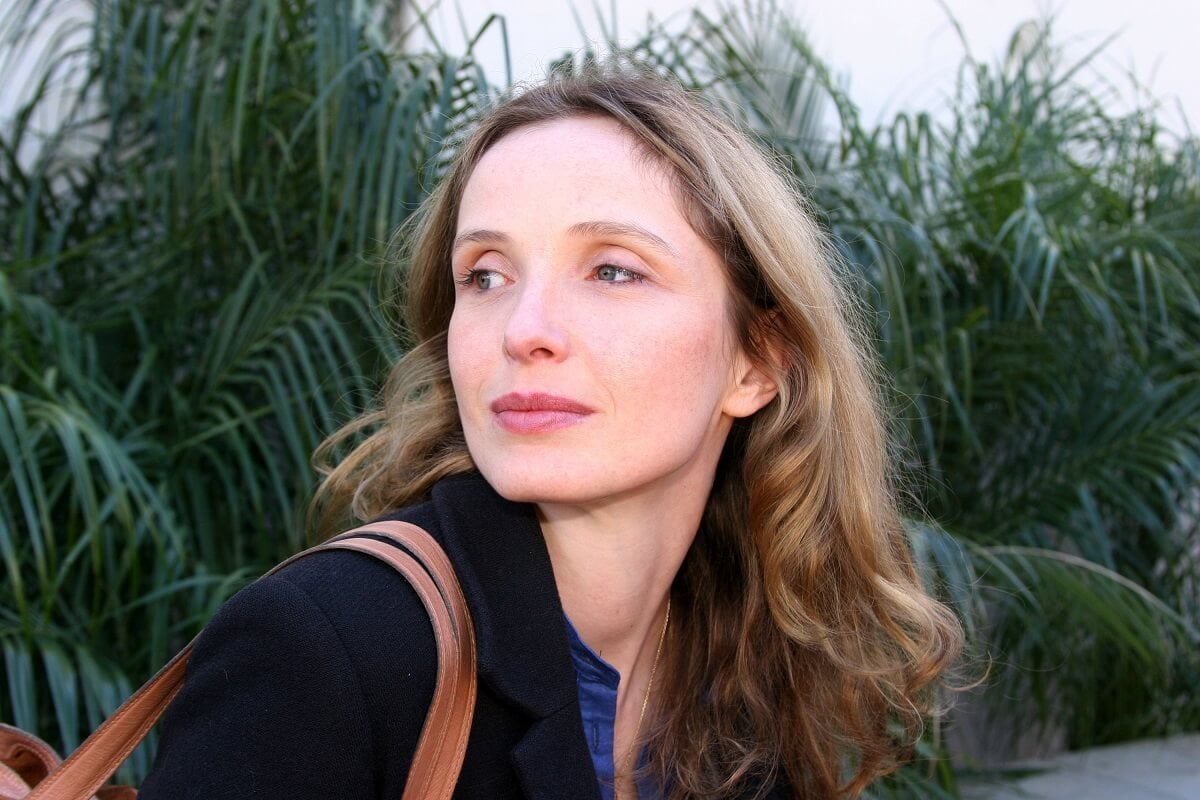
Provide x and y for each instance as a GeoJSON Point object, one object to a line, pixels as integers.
{"type": "Point", "coordinates": [640, 423]}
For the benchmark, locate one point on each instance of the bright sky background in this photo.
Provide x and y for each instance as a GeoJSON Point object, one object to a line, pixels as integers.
{"type": "Point", "coordinates": [895, 55]}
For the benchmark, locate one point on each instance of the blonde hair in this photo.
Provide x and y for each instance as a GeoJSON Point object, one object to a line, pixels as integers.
{"type": "Point", "coordinates": [802, 642]}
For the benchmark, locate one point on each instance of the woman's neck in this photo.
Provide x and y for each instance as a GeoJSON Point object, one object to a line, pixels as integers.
{"type": "Point", "coordinates": [614, 566]}
{"type": "Point", "coordinates": [614, 571]}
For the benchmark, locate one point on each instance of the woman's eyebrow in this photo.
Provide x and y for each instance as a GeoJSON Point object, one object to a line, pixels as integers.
{"type": "Point", "coordinates": [605, 229]}
{"type": "Point", "coordinates": [598, 228]}
{"type": "Point", "coordinates": [480, 236]}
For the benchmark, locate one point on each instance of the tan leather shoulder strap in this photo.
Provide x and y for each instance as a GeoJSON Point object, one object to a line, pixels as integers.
{"type": "Point", "coordinates": [439, 755]}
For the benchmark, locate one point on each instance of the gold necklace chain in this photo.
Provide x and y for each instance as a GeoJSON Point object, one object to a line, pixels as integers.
{"type": "Point", "coordinates": [662, 638]}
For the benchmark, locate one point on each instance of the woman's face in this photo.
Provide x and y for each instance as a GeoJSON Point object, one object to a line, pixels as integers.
{"type": "Point", "coordinates": [590, 347]}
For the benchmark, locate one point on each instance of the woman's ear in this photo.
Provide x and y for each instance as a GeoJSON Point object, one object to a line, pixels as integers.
{"type": "Point", "coordinates": [753, 388]}
{"type": "Point", "coordinates": [753, 376]}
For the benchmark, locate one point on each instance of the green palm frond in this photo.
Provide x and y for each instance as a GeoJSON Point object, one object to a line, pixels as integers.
{"type": "Point", "coordinates": [193, 254]}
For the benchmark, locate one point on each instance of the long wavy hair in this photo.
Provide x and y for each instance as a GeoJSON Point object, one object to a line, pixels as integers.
{"type": "Point", "coordinates": [802, 642]}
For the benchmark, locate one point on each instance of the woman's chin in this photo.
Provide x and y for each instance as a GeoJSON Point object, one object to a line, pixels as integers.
{"type": "Point", "coordinates": [541, 489]}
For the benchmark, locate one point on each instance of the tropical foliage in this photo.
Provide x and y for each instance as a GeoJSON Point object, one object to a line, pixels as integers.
{"type": "Point", "coordinates": [188, 309]}
{"type": "Point", "coordinates": [196, 198]}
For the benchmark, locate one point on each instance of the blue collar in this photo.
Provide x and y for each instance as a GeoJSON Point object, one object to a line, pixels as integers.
{"type": "Point", "coordinates": [598, 681]}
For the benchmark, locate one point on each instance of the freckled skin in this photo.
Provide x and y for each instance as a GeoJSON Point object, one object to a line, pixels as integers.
{"type": "Point", "coordinates": [647, 347]}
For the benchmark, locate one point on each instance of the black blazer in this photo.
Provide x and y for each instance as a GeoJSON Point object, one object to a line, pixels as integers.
{"type": "Point", "coordinates": [314, 683]}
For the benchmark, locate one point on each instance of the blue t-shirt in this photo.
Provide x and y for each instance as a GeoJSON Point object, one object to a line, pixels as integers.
{"type": "Point", "coordinates": [598, 681]}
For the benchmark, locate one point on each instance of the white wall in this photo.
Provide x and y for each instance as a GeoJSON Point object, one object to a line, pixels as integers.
{"type": "Point", "coordinates": [895, 55]}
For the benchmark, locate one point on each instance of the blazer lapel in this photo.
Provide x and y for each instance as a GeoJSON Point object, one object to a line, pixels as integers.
{"type": "Point", "coordinates": [553, 762]}
{"type": "Point", "coordinates": [522, 648]}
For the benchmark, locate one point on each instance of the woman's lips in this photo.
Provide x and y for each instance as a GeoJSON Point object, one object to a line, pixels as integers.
{"type": "Point", "coordinates": [537, 412]}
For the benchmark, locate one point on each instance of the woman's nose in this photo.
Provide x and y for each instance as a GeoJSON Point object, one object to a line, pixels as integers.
{"type": "Point", "coordinates": [534, 327]}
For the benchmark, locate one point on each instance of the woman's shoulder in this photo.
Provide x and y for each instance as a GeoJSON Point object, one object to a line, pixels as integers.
{"type": "Point", "coordinates": [356, 594]}
{"type": "Point", "coordinates": [338, 610]}
{"type": "Point", "coordinates": [322, 671]}
{"type": "Point", "coordinates": [361, 600]}
{"type": "Point", "coordinates": [352, 603]}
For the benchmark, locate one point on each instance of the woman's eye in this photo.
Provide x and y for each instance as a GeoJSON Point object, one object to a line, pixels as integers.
{"type": "Point", "coordinates": [482, 279]}
{"type": "Point", "coordinates": [611, 273]}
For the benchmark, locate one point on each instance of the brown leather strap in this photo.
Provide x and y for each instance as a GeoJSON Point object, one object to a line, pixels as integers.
{"type": "Point", "coordinates": [25, 758]}
{"type": "Point", "coordinates": [439, 755]}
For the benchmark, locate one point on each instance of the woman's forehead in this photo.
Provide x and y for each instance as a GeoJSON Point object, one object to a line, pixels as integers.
{"type": "Point", "coordinates": [590, 165]}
